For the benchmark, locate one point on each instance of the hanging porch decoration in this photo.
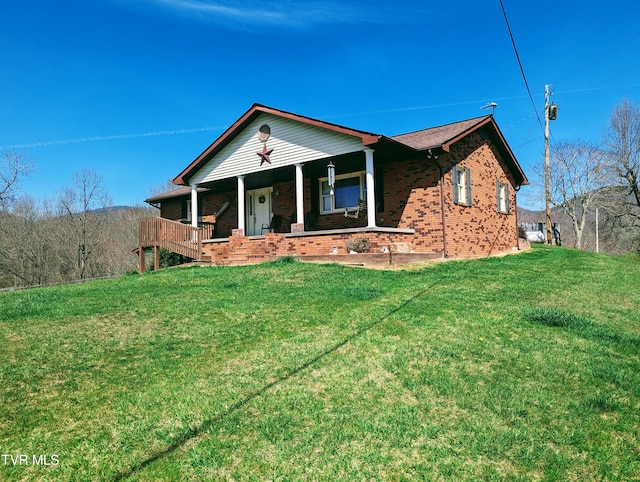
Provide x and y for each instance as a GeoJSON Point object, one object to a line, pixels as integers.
{"type": "Point", "coordinates": [263, 136]}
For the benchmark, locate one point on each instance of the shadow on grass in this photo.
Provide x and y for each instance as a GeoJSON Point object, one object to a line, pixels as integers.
{"type": "Point", "coordinates": [582, 327]}
{"type": "Point", "coordinates": [212, 422]}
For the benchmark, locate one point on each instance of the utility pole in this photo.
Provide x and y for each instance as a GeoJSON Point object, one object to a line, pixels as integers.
{"type": "Point", "coordinates": [550, 113]}
{"type": "Point", "coordinates": [597, 234]}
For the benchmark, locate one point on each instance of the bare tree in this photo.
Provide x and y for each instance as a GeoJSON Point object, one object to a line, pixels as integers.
{"type": "Point", "coordinates": [83, 207]}
{"type": "Point", "coordinates": [622, 139]}
{"type": "Point", "coordinates": [579, 172]}
{"type": "Point", "coordinates": [27, 257]}
{"type": "Point", "coordinates": [162, 187]}
{"type": "Point", "coordinates": [13, 166]}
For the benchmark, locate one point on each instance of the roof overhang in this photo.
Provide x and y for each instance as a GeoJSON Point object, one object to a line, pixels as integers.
{"type": "Point", "coordinates": [180, 192]}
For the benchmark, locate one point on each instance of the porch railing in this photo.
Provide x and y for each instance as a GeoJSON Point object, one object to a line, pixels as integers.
{"type": "Point", "coordinates": [172, 235]}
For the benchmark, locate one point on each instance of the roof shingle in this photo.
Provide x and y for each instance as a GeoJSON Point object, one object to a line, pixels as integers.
{"type": "Point", "coordinates": [438, 136]}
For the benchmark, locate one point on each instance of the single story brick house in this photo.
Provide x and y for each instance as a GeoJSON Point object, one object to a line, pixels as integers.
{"type": "Point", "coordinates": [279, 184]}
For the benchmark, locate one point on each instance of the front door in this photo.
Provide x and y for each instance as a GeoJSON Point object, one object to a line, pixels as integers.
{"type": "Point", "coordinates": [258, 210]}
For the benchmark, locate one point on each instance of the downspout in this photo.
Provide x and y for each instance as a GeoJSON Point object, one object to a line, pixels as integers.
{"type": "Point", "coordinates": [515, 201]}
{"type": "Point", "coordinates": [430, 155]}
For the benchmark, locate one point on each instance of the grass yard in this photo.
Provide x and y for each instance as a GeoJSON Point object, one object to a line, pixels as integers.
{"type": "Point", "coordinates": [523, 367]}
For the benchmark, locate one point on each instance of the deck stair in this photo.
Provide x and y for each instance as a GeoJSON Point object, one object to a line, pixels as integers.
{"type": "Point", "coordinates": [174, 236]}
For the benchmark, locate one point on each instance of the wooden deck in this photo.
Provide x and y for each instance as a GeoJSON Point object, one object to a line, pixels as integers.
{"type": "Point", "coordinates": [177, 237]}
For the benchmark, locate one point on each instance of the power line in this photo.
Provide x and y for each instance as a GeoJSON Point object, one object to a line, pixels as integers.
{"type": "Point", "coordinates": [598, 59]}
{"type": "Point", "coordinates": [524, 77]}
{"type": "Point", "coordinates": [616, 76]}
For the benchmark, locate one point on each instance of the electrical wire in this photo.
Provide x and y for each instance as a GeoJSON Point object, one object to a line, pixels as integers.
{"type": "Point", "coordinates": [598, 59]}
{"type": "Point", "coordinates": [524, 77]}
{"type": "Point", "coordinates": [616, 76]}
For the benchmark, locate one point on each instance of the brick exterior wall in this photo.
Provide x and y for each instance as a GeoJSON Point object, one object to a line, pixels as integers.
{"type": "Point", "coordinates": [412, 200]}
{"type": "Point", "coordinates": [171, 209]}
{"type": "Point", "coordinates": [479, 229]}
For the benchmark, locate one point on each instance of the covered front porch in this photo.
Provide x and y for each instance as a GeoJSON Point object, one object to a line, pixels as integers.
{"type": "Point", "coordinates": [304, 211]}
{"type": "Point", "coordinates": [338, 192]}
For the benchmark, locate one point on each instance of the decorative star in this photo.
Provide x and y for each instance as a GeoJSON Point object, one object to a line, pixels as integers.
{"type": "Point", "coordinates": [264, 154]}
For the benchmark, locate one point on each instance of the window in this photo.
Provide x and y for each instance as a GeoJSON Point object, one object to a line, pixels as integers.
{"type": "Point", "coordinates": [502, 196]}
{"type": "Point", "coordinates": [186, 210]}
{"type": "Point", "coordinates": [462, 186]}
{"type": "Point", "coordinates": [348, 190]}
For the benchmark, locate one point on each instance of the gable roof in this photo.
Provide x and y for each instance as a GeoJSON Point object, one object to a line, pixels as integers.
{"type": "Point", "coordinates": [367, 138]}
{"type": "Point", "coordinates": [443, 137]}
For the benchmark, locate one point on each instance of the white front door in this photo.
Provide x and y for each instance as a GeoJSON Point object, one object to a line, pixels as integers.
{"type": "Point", "coordinates": [258, 210]}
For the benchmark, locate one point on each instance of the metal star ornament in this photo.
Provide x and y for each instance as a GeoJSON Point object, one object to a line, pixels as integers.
{"type": "Point", "coordinates": [263, 136]}
{"type": "Point", "coordinates": [264, 154]}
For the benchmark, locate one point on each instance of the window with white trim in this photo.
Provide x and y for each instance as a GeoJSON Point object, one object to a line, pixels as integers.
{"type": "Point", "coordinates": [502, 196]}
{"type": "Point", "coordinates": [462, 186]}
{"type": "Point", "coordinates": [348, 190]}
{"type": "Point", "coordinates": [186, 210]}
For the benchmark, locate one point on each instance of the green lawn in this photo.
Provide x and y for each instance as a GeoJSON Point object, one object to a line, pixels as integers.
{"type": "Point", "coordinates": [524, 367]}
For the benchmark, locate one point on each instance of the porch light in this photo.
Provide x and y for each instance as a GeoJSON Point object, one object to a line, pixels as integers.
{"type": "Point", "coordinates": [331, 174]}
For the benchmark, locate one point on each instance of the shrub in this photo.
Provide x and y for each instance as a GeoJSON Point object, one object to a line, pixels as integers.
{"type": "Point", "coordinates": [358, 244]}
{"type": "Point", "coordinates": [284, 260]}
{"type": "Point", "coordinates": [168, 259]}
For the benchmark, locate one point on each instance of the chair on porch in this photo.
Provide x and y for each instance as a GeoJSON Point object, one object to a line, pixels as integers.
{"type": "Point", "coordinates": [276, 223]}
{"type": "Point", "coordinates": [355, 213]}
{"type": "Point", "coordinates": [286, 226]}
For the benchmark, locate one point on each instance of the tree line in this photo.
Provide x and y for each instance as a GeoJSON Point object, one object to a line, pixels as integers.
{"type": "Point", "coordinates": [586, 175]}
{"type": "Point", "coordinates": [74, 235]}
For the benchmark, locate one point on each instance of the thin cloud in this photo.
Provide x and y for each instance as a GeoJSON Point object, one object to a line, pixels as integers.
{"type": "Point", "coordinates": [284, 14]}
{"type": "Point", "coordinates": [82, 140]}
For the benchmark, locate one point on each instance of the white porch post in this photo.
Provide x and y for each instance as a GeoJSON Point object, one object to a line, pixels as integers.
{"type": "Point", "coordinates": [194, 206]}
{"type": "Point", "coordinates": [371, 194]}
{"type": "Point", "coordinates": [241, 208]}
{"type": "Point", "coordinates": [299, 194]}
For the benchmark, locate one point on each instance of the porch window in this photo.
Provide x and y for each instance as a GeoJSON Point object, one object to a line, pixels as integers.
{"type": "Point", "coordinates": [348, 190]}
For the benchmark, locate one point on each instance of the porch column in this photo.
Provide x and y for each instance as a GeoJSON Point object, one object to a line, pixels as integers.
{"type": "Point", "coordinates": [371, 193]}
{"type": "Point", "coordinates": [299, 194]}
{"type": "Point", "coordinates": [241, 208]}
{"type": "Point", "coordinates": [194, 206]}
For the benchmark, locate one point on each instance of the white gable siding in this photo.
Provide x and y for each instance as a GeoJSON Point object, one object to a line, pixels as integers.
{"type": "Point", "coordinates": [291, 141]}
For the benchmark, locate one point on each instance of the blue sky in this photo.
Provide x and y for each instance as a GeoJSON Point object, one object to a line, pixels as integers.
{"type": "Point", "coordinates": [136, 89]}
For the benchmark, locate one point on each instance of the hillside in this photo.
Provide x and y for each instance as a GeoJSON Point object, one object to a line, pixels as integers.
{"type": "Point", "coordinates": [522, 367]}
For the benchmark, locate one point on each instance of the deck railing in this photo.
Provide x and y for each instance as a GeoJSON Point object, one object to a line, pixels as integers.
{"type": "Point", "coordinates": [172, 235]}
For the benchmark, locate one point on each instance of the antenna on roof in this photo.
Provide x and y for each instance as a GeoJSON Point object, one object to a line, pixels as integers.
{"type": "Point", "coordinates": [490, 105]}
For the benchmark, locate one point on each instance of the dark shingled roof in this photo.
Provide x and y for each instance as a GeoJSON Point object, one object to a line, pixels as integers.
{"type": "Point", "coordinates": [174, 193]}
{"type": "Point", "coordinates": [439, 136]}
{"type": "Point", "coordinates": [443, 137]}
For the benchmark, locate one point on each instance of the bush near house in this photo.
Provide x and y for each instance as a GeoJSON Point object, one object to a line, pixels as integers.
{"type": "Point", "coordinates": [358, 244]}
